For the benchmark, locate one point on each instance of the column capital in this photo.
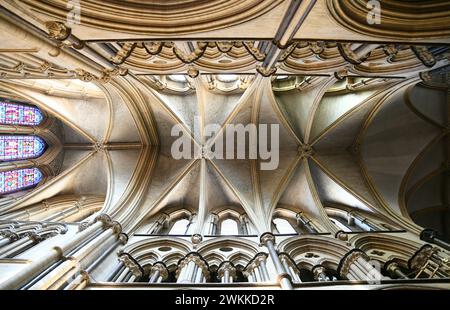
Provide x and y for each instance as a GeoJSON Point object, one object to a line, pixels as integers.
{"type": "Point", "coordinates": [131, 264]}
{"type": "Point", "coordinates": [317, 270]}
{"type": "Point", "coordinates": [197, 259]}
{"type": "Point", "coordinates": [351, 257]}
{"type": "Point", "coordinates": [341, 235]}
{"type": "Point", "coordinates": [391, 266]}
{"type": "Point", "coordinates": [123, 238]}
{"type": "Point", "coordinates": [109, 222]}
{"type": "Point", "coordinates": [226, 266]}
{"type": "Point", "coordinates": [428, 235]}
{"type": "Point", "coordinates": [58, 30]}
{"type": "Point", "coordinates": [161, 267]}
{"type": "Point", "coordinates": [12, 236]}
{"type": "Point", "coordinates": [196, 238]}
{"type": "Point", "coordinates": [421, 257]}
{"type": "Point", "coordinates": [266, 237]}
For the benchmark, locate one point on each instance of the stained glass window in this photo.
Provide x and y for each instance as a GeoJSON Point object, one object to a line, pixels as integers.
{"type": "Point", "coordinates": [19, 114]}
{"type": "Point", "coordinates": [20, 147]}
{"type": "Point", "coordinates": [11, 181]}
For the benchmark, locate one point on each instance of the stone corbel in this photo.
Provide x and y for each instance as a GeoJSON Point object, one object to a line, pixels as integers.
{"type": "Point", "coordinates": [60, 32]}
{"type": "Point", "coordinates": [266, 72]}
{"type": "Point", "coordinates": [391, 51]}
{"type": "Point", "coordinates": [192, 72]}
{"type": "Point", "coordinates": [341, 235]}
{"type": "Point", "coordinates": [341, 74]}
{"type": "Point", "coordinates": [421, 257]}
{"type": "Point", "coordinates": [153, 48]}
{"type": "Point", "coordinates": [83, 75]}
{"type": "Point", "coordinates": [57, 30]}
{"type": "Point", "coordinates": [317, 47]}
{"type": "Point", "coordinates": [225, 46]}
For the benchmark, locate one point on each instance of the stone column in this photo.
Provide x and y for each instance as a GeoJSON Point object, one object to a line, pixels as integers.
{"type": "Point", "coordinates": [191, 225]}
{"type": "Point", "coordinates": [245, 224]}
{"type": "Point", "coordinates": [256, 270]}
{"type": "Point", "coordinates": [192, 269]}
{"type": "Point", "coordinates": [19, 245]}
{"type": "Point", "coordinates": [362, 222]}
{"type": "Point", "coordinates": [290, 267]}
{"type": "Point", "coordinates": [75, 263]}
{"type": "Point", "coordinates": [211, 224]}
{"type": "Point", "coordinates": [52, 255]}
{"type": "Point", "coordinates": [268, 239]}
{"type": "Point", "coordinates": [355, 266]}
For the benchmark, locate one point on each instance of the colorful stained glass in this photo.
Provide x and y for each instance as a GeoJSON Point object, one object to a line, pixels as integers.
{"type": "Point", "coordinates": [20, 147]}
{"type": "Point", "coordinates": [14, 180]}
{"type": "Point", "coordinates": [19, 114]}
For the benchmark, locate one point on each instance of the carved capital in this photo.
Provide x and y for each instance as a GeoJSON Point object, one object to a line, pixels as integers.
{"type": "Point", "coordinates": [84, 75]}
{"type": "Point", "coordinates": [131, 264]}
{"type": "Point", "coordinates": [196, 238]}
{"type": "Point", "coordinates": [226, 266]}
{"type": "Point", "coordinates": [266, 237]}
{"type": "Point", "coordinates": [341, 235]}
{"type": "Point", "coordinates": [57, 30]}
{"type": "Point", "coordinates": [318, 271]}
{"type": "Point", "coordinates": [192, 72]}
{"type": "Point", "coordinates": [266, 72]}
{"type": "Point", "coordinates": [348, 260]}
{"type": "Point", "coordinates": [161, 268]}
{"type": "Point", "coordinates": [421, 257]}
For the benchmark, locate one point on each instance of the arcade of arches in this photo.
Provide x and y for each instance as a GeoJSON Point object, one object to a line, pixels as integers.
{"type": "Point", "coordinates": [91, 196]}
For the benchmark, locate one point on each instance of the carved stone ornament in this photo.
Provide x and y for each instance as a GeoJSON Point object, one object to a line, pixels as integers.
{"type": "Point", "coordinates": [266, 237]}
{"type": "Point", "coordinates": [161, 268]}
{"type": "Point", "coordinates": [305, 150]}
{"type": "Point", "coordinates": [226, 266]}
{"type": "Point", "coordinates": [349, 260]}
{"type": "Point", "coordinates": [196, 238]}
{"type": "Point", "coordinates": [84, 75]}
{"type": "Point", "coordinates": [266, 72]}
{"type": "Point", "coordinates": [131, 264]}
{"type": "Point", "coordinates": [192, 72]}
{"type": "Point", "coordinates": [57, 30]}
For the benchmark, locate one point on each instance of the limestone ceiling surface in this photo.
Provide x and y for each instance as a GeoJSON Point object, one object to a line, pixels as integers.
{"type": "Point", "coordinates": [349, 131]}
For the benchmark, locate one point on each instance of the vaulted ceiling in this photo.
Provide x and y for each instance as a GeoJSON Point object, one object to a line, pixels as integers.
{"type": "Point", "coordinates": [362, 112]}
